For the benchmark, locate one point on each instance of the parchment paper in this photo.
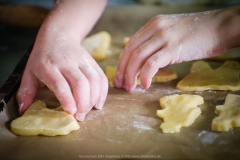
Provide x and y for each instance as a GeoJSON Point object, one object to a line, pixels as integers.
{"type": "Point", "coordinates": [127, 127]}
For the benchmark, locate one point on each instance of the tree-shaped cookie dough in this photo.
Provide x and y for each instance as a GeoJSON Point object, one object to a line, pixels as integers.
{"type": "Point", "coordinates": [203, 77]}
{"type": "Point", "coordinates": [178, 111]}
{"type": "Point", "coordinates": [229, 114]}
{"type": "Point", "coordinates": [40, 120]}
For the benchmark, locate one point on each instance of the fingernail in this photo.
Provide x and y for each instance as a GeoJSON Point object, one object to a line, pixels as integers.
{"type": "Point", "coordinates": [80, 116]}
{"type": "Point", "coordinates": [99, 105]}
{"type": "Point", "coordinates": [128, 88]}
{"type": "Point", "coordinates": [117, 83]}
{"type": "Point", "coordinates": [71, 110]}
{"type": "Point", "coordinates": [20, 108]}
{"type": "Point", "coordinates": [142, 87]}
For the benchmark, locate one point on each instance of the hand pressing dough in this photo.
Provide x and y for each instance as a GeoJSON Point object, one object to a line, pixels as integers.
{"type": "Point", "coordinates": [203, 77]}
{"type": "Point", "coordinates": [178, 111]}
{"type": "Point", "coordinates": [98, 45]}
{"type": "Point", "coordinates": [229, 114]}
{"type": "Point", "coordinates": [40, 120]}
{"type": "Point", "coordinates": [160, 76]}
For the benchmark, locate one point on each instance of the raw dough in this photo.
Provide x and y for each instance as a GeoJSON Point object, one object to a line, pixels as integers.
{"type": "Point", "coordinates": [229, 114]}
{"type": "Point", "coordinates": [40, 120]}
{"type": "Point", "coordinates": [98, 45]}
{"type": "Point", "coordinates": [178, 110]}
{"type": "Point", "coordinates": [203, 77]}
{"type": "Point", "coordinates": [125, 41]}
{"type": "Point", "coordinates": [164, 76]}
{"type": "Point", "coordinates": [160, 76]}
{"type": "Point", "coordinates": [111, 73]}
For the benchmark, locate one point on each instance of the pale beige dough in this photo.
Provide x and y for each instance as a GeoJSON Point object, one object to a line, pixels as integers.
{"type": "Point", "coordinates": [228, 114]}
{"type": "Point", "coordinates": [160, 76]}
{"type": "Point", "coordinates": [203, 77]}
{"type": "Point", "coordinates": [178, 111]}
{"type": "Point", "coordinates": [40, 120]}
{"type": "Point", "coordinates": [98, 45]}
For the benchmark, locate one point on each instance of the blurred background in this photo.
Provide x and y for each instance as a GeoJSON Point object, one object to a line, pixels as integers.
{"type": "Point", "coordinates": [48, 3]}
{"type": "Point", "coordinates": [21, 19]}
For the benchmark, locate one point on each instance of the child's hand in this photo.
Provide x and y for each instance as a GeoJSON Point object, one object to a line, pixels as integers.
{"type": "Point", "coordinates": [62, 64]}
{"type": "Point", "coordinates": [65, 67]}
{"type": "Point", "coordinates": [166, 40]}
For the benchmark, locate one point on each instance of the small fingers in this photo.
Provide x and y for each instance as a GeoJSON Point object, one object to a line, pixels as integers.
{"type": "Point", "coordinates": [136, 42]}
{"type": "Point", "coordinates": [100, 80]}
{"type": "Point", "coordinates": [27, 91]}
{"type": "Point", "coordinates": [158, 60]}
{"type": "Point", "coordinates": [103, 91]}
{"type": "Point", "coordinates": [56, 82]}
{"type": "Point", "coordinates": [89, 89]}
{"type": "Point", "coordinates": [139, 57]}
{"type": "Point", "coordinates": [81, 83]}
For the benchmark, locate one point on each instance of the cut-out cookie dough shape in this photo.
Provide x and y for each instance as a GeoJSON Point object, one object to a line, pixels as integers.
{"type": "Point", "coordinates": [98, 45]}
{"type": "Point", "coordinates": [229, 114]}
{"type": "Point", "coordinates": [203, 77]}
{"type": "Point", "coordinates": [178, 111]}
{"type": "Point", "coordinates": [160, 76]}
{"type": "Point", "coordinates": [40, 120]}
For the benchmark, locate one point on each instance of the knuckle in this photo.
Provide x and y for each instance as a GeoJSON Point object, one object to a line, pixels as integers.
{"type": "Point", "coordinates": [94, 78]}
{"type": "Point", "coordinates": [150, 63]}
{"type": "Point", "coordinates": [155, 18]}
{"type": "Point", "coordinates": [156, 23]}
{"type": "Point", "coordinates": [104, 78]}
{"type": "Point", "coordinates": [128, 76]}
{"type": "Point", "coordinates": [136, 53]}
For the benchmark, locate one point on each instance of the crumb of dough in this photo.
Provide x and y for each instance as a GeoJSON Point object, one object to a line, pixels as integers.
{"type": "Point", "coordinates": [110, 73]}
{"type": "Point", "coordinates": [40, 120]}
{"type": "Point", "coordinates": [178, 111]}
{"type": "Point", "coordinates": [98, 45]}
{"type": "Point", "coordinates": [160, 76]}
{"type": "Point", "coordinates": [228, 114]}
{"type": "Point", "coordinates": [203, 77]}
{"type": "Point", "coordinates": [125, 41]}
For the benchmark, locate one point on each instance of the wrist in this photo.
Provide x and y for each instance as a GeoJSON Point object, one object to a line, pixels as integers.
{"type": "Point", "coordinates": [229, 31]}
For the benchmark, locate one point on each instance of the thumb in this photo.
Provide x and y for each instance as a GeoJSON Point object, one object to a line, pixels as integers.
{"type": "Point", "coordinates": [27, 92]}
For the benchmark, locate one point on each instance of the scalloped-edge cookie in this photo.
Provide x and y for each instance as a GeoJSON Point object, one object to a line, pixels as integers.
{"type": "Point", "coordinates": [178, 111]}
{"type": "Point", "coordinates": [203, 77]}
{"type": "Point", "coordinates": [228, 114]}
{"type": "Point", "coordinates": [40, 120]}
